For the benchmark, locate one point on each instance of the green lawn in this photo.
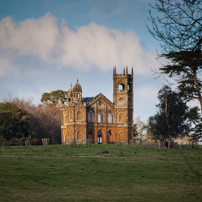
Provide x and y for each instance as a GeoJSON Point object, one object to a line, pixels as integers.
{"type": "Point", "coordinates": [126, 173]}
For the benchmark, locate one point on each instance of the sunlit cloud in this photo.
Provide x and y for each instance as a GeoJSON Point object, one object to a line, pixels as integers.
{"type": "Point", "coordinates": [82, 48]}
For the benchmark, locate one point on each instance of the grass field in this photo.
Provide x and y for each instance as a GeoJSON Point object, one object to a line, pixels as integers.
{"type": "Point", "coordinates": [126, 173]}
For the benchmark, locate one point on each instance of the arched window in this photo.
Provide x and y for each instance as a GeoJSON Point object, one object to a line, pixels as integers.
{"type": "Point", "coordinates": [100, 117]}
{"type": "Point", "coordinates": [65, 119]}
{"type": "Point", "coordinates": [121, 117]}
{"type": "Point", "coordinates": [71, 135]}
{"type": "Point", "coordinates": [79, 135]}
{"type": "Point", "coordinates": [71, 115]}
{"type": "Point", "coordinates": [121, 86]}
{"type": "Point", "coordinates": [91, 136]}
{"type": "Point", "coordinates": [91, 116]}
{"type": "Point", "coordinates": [79, 115]}
{"type": "Point", "coordinates": [109, 118]}
{"type": "Point", "coordinates": [99, 137]}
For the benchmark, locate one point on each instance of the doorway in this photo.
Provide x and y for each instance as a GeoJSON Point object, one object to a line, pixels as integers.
{"type": "Point", "coordinates": [99, 137]}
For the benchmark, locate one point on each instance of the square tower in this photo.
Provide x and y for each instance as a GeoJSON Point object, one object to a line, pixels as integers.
{"type": "Point", "coordinates": [123, 97]}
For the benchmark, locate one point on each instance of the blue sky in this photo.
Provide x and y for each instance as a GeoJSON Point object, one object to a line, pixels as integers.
{"type": "Point", "coordinates": [48, 44]}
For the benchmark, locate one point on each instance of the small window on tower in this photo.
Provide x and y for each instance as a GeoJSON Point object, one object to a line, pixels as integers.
{"type": "Point", "coordinates": [121, 86]}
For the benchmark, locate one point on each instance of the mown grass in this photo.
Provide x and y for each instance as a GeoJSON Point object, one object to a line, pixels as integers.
{"type": "Point", "coordinates": [126, 173]}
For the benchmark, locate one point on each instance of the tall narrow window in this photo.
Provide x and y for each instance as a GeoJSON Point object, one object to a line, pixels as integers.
{"type": "Point", "coordinates": [100, 117]}
{"type": "Point", "coordinates": [91, 116]}
{"type": "Point", "coordinates": [71, 115]}
{"type": "Point", "coordinates": [79, 135]}
{"type": "Point", "coordinates": [109, 118]}
{"type": "Point", "coordinates": [79, 115]}
{"type": "Point", "coordinates": [65, 119]}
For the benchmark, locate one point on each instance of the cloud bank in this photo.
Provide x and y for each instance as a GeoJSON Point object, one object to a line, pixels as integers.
{"type": "Point", "coordinates": [82, 48]}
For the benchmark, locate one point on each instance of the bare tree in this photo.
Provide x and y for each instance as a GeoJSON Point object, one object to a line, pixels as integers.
{"type": "Point", "coordinates": [178, 25]}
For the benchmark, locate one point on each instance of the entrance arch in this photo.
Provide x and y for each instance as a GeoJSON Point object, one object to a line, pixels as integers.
{"type": "Point", "coordinates": [99, 137]}
{"type": "Point", "coordinates": [90, 136]}
{"type": "Point", "coordinates": [109, 137]}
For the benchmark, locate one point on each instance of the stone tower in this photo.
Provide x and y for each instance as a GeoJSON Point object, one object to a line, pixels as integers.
{"type": "Point", "coordinates": [123, 97]}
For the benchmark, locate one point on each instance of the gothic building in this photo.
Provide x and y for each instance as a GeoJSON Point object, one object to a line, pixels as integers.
{"type": "Point", "coordinates": [97, 118]}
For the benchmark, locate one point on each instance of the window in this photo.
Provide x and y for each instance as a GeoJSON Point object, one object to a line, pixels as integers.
{"type": "Point", "coordinates": [100, 117]}
{"type": "Point", "coordinates": [71, 115]}
{"type": "Point", "coordinates": [109, 118]}
{"type": "Point", "coordinates": [121, 86]}
{"type": "Point", "coordinates": [65, 118]}
{"type": "Point", "coordinates": [99, 137]}
{"type": "Point", "coordinates": [79, 135]}
{"type": "Point", "coordinates": [79, 115]}
{"type": "Point", "coordinates": [71, 135]}
{"type": "Point", "coordinates": [91, 116]}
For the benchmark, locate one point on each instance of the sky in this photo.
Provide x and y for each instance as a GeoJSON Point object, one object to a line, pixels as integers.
{"type": "Point", "coordinates": [47, 44]}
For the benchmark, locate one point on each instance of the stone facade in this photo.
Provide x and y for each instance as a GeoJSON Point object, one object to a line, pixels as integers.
{"type": "Point", "coordinates": [97, 118]}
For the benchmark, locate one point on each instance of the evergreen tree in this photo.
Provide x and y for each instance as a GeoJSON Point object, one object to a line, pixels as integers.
{"type": "Point", "coordinates": [171, 119]}
{"type": "Point", "coordinates": [54, 97]}
{"type": "Point", "coordinates": [14, 122]}
{"type": "Point", "coordinates": [185, 68]}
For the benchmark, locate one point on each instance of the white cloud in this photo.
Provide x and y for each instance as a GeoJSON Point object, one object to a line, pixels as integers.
{"type": "Point", "coordinates": [86, 47]}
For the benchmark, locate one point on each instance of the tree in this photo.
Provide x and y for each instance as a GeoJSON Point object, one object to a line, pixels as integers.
{"type": "Point", "coordinates": [139, 128]}
{"type": "Point", "coordinates": [46, 123]}
{"type": "Point", "coordinates": [185, 69]}
{"type": "Point", "coordinates": [44, 120]}
{"type": "Point", "coordinates": [171, 119]}
{"type": "Point", "coordinates": [14, 122]}
{"type": "Point", "coordinates": [178, 26]}
{"type": "Point", "coordinates": [54, 97]}
{"type": "Point", "coordinates": [157, 127]}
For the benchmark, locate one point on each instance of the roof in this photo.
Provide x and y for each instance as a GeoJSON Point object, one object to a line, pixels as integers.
{"type": "Point", "coordinates": [87, 99]}
{"type": "Point", "coordinates": [97, 97]}
{"type": "Point", "coordinates": [77, 87]}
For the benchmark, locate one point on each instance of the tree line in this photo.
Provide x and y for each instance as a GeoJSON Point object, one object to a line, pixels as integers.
{"type": "Point", "coordinates": [21, 120]}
